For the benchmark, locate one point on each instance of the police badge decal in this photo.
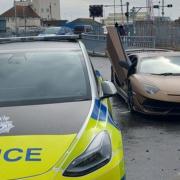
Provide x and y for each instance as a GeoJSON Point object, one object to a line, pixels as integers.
{"type": "Point", "coordinates": [5, 124]}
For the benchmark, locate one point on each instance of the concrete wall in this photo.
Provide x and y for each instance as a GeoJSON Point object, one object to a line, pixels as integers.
{"type": "Point", "coordinates": [167, 33]}
{"type": "Point", "coordinates": [30, 22]}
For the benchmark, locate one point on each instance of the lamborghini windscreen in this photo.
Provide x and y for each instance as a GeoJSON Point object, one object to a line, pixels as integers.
{"type": "Point", "coordinates": [160, 65]}
{"type": "Point", "coordinates": [43, 77]}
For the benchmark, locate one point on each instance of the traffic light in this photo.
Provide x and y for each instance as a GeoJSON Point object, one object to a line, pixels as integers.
{"type": "Point", "coordinates": [96, 10]}
{"type": "Point", "coordinates": [169, 5]}
{"type": "Point", "coordinates": [127, 14]}
{"type": "Point", "coordinates": [156, 6]}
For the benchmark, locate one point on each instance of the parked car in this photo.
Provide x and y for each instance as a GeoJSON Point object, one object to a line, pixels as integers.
{"type": "Point", "coordinates": [79, 29]}
{"type": "Point", "coordinates": [52, 31]}
{"type": "Point", "coordinates": [148, 80]}
{"type": "Point", "coordinates": [56, 120]}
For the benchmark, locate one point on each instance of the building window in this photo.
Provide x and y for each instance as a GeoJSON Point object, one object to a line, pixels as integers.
{"type": "Point", "coordinates": [47, 9]}
{"type": "Point", "coordinates": [54, 4]}
{"type": "Point", "coordinates": [42, 10]}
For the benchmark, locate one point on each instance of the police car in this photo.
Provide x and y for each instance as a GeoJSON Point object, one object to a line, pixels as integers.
{"type": "Point", "coordinates": [55, 117]}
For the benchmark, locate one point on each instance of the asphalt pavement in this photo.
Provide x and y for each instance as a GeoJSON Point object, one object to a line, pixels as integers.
{"type": "Point", "coordinates": [151, 144]}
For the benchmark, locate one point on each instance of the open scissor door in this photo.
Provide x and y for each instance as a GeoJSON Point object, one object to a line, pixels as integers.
{"type": "Point", "coordinates": [116, 54]}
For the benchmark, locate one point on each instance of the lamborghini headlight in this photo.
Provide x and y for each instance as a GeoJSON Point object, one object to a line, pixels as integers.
{"type": "Point", "coordinates": [96, 156]}
{"type": "Point", "coordinates": [151, 89]}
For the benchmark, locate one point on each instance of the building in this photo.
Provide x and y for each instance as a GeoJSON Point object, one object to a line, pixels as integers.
{"type": "Point", "coordinates": [23, 2]}
{"type": "Point", "coordinates": [121, 19]}
{"type": "Point", "coordinates": [21, 17]}
{"type": "Point", "coordinates": [2, 25]}
{"type": "Point", "coordinates": [47, 9]}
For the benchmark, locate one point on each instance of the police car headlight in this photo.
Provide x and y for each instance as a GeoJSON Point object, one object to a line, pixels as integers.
{"type": "Point", "coordinates": [97, 155]}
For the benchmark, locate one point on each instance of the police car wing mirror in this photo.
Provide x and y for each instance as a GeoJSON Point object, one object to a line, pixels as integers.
{"type": "Point", "coordinates": [109, 89]}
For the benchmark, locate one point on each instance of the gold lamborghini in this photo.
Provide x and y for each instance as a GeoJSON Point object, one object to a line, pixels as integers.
{"type": "Point", "coordinates": [149, 81]}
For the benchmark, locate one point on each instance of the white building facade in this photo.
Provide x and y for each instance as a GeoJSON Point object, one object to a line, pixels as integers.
{"type": "Point", "coordinates": [21, 17]}
{"type": "Point", "coordinates": [22, 24]}
{"type": "Point", "coordinates": [121, 19]}
{"type": "Point", "coordinates": [47, 9]}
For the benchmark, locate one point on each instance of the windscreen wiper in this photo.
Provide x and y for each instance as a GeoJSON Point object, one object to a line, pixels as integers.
{"type": "Point", "coordinates": [168, 74]}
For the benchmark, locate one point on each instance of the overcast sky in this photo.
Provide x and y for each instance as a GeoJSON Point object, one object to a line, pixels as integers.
{"type": "Point", "coordinates": [72, 9]}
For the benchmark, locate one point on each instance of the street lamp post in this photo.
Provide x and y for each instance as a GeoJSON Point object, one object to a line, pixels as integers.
{"type": "Point", "coordinates": [163, 8]}
{"type": "Point", "coordinates": [114, 11]}
{"type": "Point", "coordinates": [127, 12]}
{"type": "Point", "coordinates": [25, 20]}
{"type": "Point", "coordinates": [15, 14]}
{"type": "Point", "coordinates": [122, 13]}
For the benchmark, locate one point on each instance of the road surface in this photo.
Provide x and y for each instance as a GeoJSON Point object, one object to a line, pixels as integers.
{"type": "Point", "coordinates": [152, 144]}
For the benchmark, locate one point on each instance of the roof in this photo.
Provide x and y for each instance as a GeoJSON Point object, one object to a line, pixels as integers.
{"type": "Point", "coordinates": [85, 21]}
{"type": "Point", "coordinates": [38, 46]}
{"type": "Point", "coordinates": [21, 11]}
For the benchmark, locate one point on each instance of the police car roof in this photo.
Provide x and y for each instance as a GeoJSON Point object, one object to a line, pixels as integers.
{"type": "Point", "coordinates": [38, 43]}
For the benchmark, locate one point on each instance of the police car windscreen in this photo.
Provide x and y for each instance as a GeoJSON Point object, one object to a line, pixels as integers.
{"type": "Point", "coordinates": [29, 78]}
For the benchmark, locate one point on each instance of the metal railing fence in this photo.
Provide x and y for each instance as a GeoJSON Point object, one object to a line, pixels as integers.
{"type": "Point", "coordinates": [96, 44]}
